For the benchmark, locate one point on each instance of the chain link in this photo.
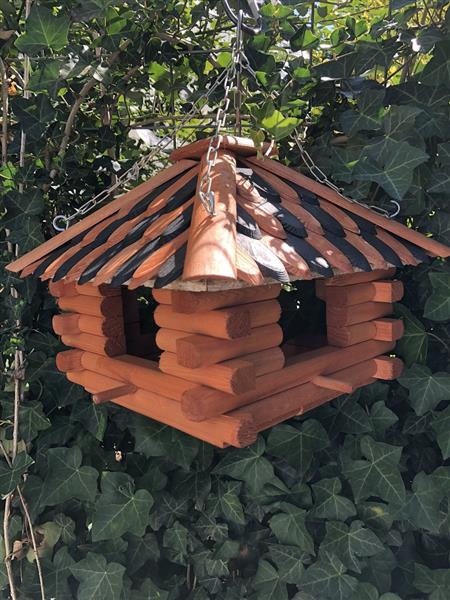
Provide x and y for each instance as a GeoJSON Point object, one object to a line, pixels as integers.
{"type": "Point", "coordinates": [62, 222]}
{"type": "Point", "coordinates": [322, 178]}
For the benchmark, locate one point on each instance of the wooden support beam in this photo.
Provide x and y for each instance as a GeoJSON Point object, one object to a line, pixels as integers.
{"type": "Point", "coordinates": [113, 393]}
{"type": "Point", "coordinates": [388, 367]}
{"type": "Point", "coordinates": [297, 400]}
{"type": "Point", "coordinates": [355, 278]}
{"type": "Point", "coordinates": [92, 382]}
{"type": "Point", "coordinates": [385, 330]}
{"type": "Point", "coordinates": [375, 291]}
{"type": "Point", "coordinates": [70, 288]}
{"type": "Point", "coordinates": [331, 383]}
{"type": "Point", "coordinates": [225, 323]}
{"type": "Point", "coordinates": [233, 376]}
{"type": "Point", "coordinates": [143, 373]}
{"type": "Point", "coordinates": [73, 323]}
{"type": "Point", "coordinates": [94, 343]}
{"type": "Point", "coordinates": [220, 431]}
{"type": "Point", "coordinates": [388, 330]}
{"type": "Point", "coordinates": [202, 402]}
{"type": "Point", "coordinates": [211, 248]}
{"type": "Point", "coordinates": [200, 351]}
{"type": "Point", "coordinates": [91, 305]}
{"type": "Point", "coordinates": [69, 360]}
{"type": "Point", "coordinates": [340, 316]}
{"type": "Point", "coordinates": [193, 302]}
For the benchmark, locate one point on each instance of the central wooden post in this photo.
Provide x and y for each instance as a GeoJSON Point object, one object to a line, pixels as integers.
{"type": "Point", "coordinates": [223, 340]}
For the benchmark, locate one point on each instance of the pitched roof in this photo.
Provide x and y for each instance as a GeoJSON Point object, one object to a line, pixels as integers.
{"type": "Point", "coordinates": [271, 223]}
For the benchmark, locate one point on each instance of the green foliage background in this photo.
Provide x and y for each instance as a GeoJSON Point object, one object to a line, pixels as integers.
{"type": "Point", "coordinates": [350, 502]}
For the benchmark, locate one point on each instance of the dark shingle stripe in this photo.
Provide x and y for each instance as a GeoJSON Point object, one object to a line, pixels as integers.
{"type": "Point", "coordinates": [246, 224]}
{"type": "Point", "coordinates": [290, 222]}
{"type": "Point", "coordinates": [417, 252]}
{"type": "Point", "coordinates": [303, 194]}
{"type": "Point", "coordinates": [178, 198]}
{"type": "Point", "coordinates": [357, 259]}
{"type": "Point", "coordinates": [363, 224]}
{"type": "Point", "coordinates": [172, 268]}
{"type": "Point", "coordinates": [316, 262]}
{"type": "Point", "coordinates": [41, 268]}
{"type": "Point", "coordinates": [177, 226]}
{"type": "Point", "coordinates": [327, 222]}
{"type": "Point", "coordinates": [386, 251]}
{"type": "Point", "coordinates": [270, 265]}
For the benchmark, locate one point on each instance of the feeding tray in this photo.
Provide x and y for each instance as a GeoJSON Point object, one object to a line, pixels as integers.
{"type": "Point", "coordinates": [203, 349]}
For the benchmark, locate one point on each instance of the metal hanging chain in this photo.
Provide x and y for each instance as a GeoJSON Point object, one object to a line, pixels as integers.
{"type": "Point", "coordinates": [205, 192]}
{"type": "Point", "coordinates": [62, 222]}
{"type": "Point", "coordinates": [322, 178]}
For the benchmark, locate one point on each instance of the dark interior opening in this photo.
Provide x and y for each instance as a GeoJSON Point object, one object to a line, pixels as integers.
{"type": "Point", "coordinates": [140, 327]}
{"type": "Point", "coordinates": [303, 318]}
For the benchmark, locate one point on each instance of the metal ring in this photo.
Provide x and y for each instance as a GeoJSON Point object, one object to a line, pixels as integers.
{"type": "Point", "coordinates": [255, 13]}
{"type": "Point", "coordinates": [62, 218]}
{"type": "Point", "coordinates": [397, 210]}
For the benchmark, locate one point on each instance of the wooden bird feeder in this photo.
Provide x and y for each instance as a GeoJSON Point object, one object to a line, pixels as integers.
{"type": "Point", "coordinates": [204, 351]}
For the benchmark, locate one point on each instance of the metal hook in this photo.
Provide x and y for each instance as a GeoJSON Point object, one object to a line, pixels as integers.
{"type": "Point", "coordinates": [384, 212]}
{"type": "Point", "coordinates": [62, 218]}
{"type": "Point", "coordinates": [254, 9]}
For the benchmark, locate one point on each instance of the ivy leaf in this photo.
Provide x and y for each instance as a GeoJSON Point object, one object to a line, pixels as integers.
{"type": "Point", "coordinates": [57, 573]}
{"type": "Point", "coordinates": [11, 476]}
{"type": "Point", "coordinates": [119, 509]}
{"type": "Point", "coordinates": [28, 235]}
{"type": "Point", "coordinates": [437, 71]}
{"type": "Point", "coordinates": [275, 122]}
{"type": "Point", "coordinates": [149, 591]}
{"type": "Point", "coordinates": [67, 479]}
{"type": "Point", "coordinates": [350, 543]}
{"type": "Point", "coordinates": [43, 31]}
{"type": "Point", "coordinates": [413, 346]}
{"type": "Point", "coordinates": [369, 114]}
{"type": "Point", "coordinates": [140, 550]}
{"type": "Point", "coordinates": [289, 528]}
{"type": "Point", "coordinates": [350, 417]}
{"type": "Point", "coordinates": [439, 225]}
{"type": "Point", "coordinates": [176, 540]}
{"type": "Point", "coordinates": [437, 306]}
{"type": "Point", "coordinates": [329, 504]}
{"type": "Point", "coordinates": [378, 474]}
{"type": "Point", "coordinates": [441, 427]}
{"type": "Point", "coordinates": [327, 578]}
{"type": "Point", "coordinates": [232, 508]}
{"type": "Point", "coordinates": [435, 582]}
{"type": "Point", "coordinates": [391, 165]}
{"type": "Point", "coordinates": [98, 579]}
{"type": "Point", "coordinates": [247, 465]}
{"type": "Point", "coordinates": [381, 417]}
{"type": "Point", "coordinates": [34, 115]}
{"type": "Point", "coordinates": [426, 389]}
{"type": "Point", "coordinates": [289, 561]}
{"type": "Point", "coordinates": [267, 583]}
{"type": "Point", "coordinates": [32, 419]}
{"type": "Point", "coordinates": [297, 444]}
{"type": "Point", "coordinates": [423, 508]}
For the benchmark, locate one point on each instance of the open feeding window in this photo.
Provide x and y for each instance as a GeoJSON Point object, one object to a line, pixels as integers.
{"type": "Point", "coordinates": [303, 318]}
{"type": "Point", "coordinates": [139, 324]}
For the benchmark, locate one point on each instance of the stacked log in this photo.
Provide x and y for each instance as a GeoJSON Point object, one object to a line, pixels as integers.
{"type": "Point", "coordinates": [222, 376]}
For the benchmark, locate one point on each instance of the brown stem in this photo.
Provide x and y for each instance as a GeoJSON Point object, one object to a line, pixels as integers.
{"type": "Point", "coordinates": [85, 90]}
{"type": "Point", "coordinates": [4, 139]}
{"type": "Point", "coordinates": [26, 512]}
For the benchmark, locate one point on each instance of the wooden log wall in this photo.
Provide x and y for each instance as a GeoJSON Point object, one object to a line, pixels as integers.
{"type": "Point", "coordinates": [225, 341]}
{"type": "Point", "coordinates": [92, 319]}
{"type": "Point", "coordinates": [358, 308]}
{"type": "Point", "coordinates": [222, 376]}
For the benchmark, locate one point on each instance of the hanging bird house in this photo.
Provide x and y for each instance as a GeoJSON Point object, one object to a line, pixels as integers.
{"type": "Point", "coordinates": [174, 313]}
